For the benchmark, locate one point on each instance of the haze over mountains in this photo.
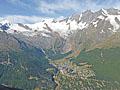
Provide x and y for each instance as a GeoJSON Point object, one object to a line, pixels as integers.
{"type": "Point", "coordinates": [31, 54]}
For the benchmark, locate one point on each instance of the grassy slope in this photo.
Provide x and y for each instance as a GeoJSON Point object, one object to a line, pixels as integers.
{"type": "Point", "coordinates": [106, 62]}
{"type": "Point", "coordinates": [23, 65]}
{"type": "Point", "coordinates": [79, 71]}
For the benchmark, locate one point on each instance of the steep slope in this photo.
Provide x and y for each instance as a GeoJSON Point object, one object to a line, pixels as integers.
{"type": "Point", "coordinates": [105, 63]}
{"type": "Point", "coordinates": [22, 65]}
{"type": "Point", "coordinates": [100, 28]}
{"type": "Point", "coordinates": [113, 41]}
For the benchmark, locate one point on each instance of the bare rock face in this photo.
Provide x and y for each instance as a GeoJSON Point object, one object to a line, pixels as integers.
{"type": "Point", "coordinates": [100, 28]}
{"type": "Point", "coordinates": [8, 42]}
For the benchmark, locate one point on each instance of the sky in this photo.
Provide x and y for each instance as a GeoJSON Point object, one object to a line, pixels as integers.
{"type": "Point", "coordinates": [33, 10]}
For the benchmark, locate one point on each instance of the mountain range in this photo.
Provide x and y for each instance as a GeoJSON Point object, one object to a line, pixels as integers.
{"type": "Point", "coordinates": [36, 56]}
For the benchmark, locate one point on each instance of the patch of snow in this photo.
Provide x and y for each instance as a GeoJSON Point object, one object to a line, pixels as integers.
{"type": "Point", "coordinates": [80, 17]}
{"type": "Point", "coordinates": [18, 28]}
{"type": "Point", "coordinates": [73, 25]}
{"type": "Point", "coordinates": [104, 12]}
{"type": "Point", "coordinates": [95, 23]}
{"type": "Point", "coordinates": [111, 18]}
{"type": "Point", "coordinates": [119, 12]}
{"type": "Point", "coordinates": [15, 28]}
{"type": "Point", "coordinates": [43, 51]}
{"type": "Point", "coordinates": [110, 28]}
{"type": "Point", "coordinates": [45, 35]}
{"type": "Point", "coordinates": [101, 17]}
{"type": "Point", "coordinates": [4, 22]}
{"type": "Point", "coordinates": [82, 25]}
{"type": "Point", "coordinates": [102, 31]}
{"type": "Point", "coordinates": [118, 17]}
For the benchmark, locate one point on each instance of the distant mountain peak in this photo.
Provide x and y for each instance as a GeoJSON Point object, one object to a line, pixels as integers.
{"type": "Point", "coordinates": [104, 12]}
{"type": "Point", "coordinates": [77, 21]}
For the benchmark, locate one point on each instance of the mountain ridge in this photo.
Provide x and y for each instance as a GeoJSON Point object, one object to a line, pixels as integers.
{"type": "Point", "coordinates": [27, 50]}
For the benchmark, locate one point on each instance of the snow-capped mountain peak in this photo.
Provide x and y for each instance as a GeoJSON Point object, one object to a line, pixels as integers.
{"type": "Point", "coordinates": [4, 21]}
{"type": "Point", "coordinates": [4, 24]}
{"type": "Point", "coordinates": [75, 22]}
{"type": "Point", "coordinates": [104, 12]}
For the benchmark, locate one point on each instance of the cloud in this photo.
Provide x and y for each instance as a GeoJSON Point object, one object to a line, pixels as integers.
{"type": "Point", "coordinates": [26, 19]}
{"type": "Point", "coordinates": [56, 6]}
{"type": "Point", "coordinates": [23, 19]}
{"type": "Point", "coordinates": [19, 2]}
{"type": "Point", "coordinates": [98, 4]}
{"type": "Point", "coordinates": [13, 1]}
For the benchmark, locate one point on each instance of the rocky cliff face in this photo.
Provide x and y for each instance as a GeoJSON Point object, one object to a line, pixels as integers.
{"type": "Point", "coordinates": [101, 25]}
